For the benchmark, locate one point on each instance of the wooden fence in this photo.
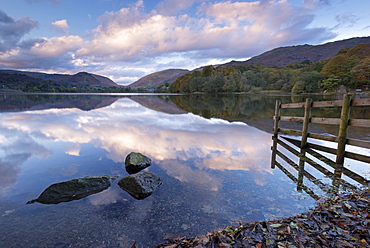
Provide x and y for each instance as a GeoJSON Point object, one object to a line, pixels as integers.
{"type": "Point", "coordinates": [344, 122]}
{"type": "Point", "coordinates": [308, 147]}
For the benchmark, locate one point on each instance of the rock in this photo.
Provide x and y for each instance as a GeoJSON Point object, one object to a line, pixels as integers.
{"type": "Point", "coordinates": [140, 185]}
{"type": "Point", "coordinates": [73, 189]}
{"type": "Point", "coordinates": [136, 162]}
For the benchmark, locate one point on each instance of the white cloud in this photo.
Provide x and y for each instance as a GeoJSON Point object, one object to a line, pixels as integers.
{"type": "Point", "coordinates": [57, 46]}
{"type": "Point", "coordinates": [225, 29]}
{"type": "Point", "coordinates": [61, 27]}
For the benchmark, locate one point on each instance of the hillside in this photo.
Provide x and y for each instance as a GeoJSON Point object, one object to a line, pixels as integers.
{"type": "Point", "coordinates": [286, 55]}
{"type": "Point", "coordinates": [347, 70]}
{"type": "Point", "coordinates": [81, 78]}
{"type": "Point", "coordinates": [151, 81]}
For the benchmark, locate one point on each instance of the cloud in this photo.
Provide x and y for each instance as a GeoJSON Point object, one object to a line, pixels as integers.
{"type": "Point", "coordinates": [347, 19]}
{"type": "Point", "coordinates": [36, 53]}
{"type": "Point", "coordinates": [56, 46]}
{"type": "Point", "coordinates": [45, 53]}
{"type": "Point", "coordinates": [4, 18]}
{"type": "Point", "coordinates": [220, 30]}
{"type": "Point", "coordinates": [12, 31]}
{"type": "Point", "coordinates": [61, 27]}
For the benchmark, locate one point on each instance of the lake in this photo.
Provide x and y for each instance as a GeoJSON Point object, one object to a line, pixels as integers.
{"type": "Point", "coordinates": [212, 154]}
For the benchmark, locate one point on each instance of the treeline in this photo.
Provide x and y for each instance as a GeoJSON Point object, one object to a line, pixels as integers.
{"type": "Point", "coordinates": [24, 83]}
{"type": "Point", "coordinates": [349, 68]}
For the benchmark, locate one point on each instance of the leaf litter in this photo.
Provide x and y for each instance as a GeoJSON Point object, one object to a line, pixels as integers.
{"type": "Point", "coordinates": [338, 221]}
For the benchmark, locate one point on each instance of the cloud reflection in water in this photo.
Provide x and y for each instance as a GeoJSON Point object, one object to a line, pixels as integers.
{"type": "Point", "coordinates": [170, 140]}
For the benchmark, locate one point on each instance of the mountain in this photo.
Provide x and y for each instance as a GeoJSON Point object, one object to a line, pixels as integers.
{"type": "Point", "coordinates": [151, 81]}
{"type": "Point", "coordinates": [286, 55]}
{"type": "Point", "coordinates": [81, 78]}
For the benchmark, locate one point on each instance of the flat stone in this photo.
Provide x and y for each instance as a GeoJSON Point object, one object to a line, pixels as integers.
{"type": "Point", "coordinates": [73, 189]}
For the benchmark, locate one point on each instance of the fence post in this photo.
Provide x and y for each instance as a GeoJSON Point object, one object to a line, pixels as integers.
{"type": "Point", "coordinates": [276, 131]}
{"type": "Point", "coordinates": [277, 117]}
{"type": "Point", "coordinates": [306, 121]}
{"type": "Point", "coordinates": [343, 129]}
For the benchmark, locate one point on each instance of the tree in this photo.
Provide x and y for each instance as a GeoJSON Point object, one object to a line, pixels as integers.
{"type": "Point", "coordinates": [230, 86]}
{"type": "Point", "coordinates": [361, 74]}
{"type": "Point", "coordinates": [311, 81]}
{"type": "Point", "coordinates": [331, 83]}
{"type": "Point", "coordinates": [207, 71]}
{"type": "Point", "coordinates": [340, 67]}
{"type": "Point", "coordinates": [298, 87]}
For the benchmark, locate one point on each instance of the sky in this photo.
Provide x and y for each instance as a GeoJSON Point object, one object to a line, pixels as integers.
{"type": "Point", "coordinates": [126, 40]}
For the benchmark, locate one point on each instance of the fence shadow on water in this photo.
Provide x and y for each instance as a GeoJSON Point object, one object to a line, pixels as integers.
{"type": "Point", "coordinates": [304, 154]}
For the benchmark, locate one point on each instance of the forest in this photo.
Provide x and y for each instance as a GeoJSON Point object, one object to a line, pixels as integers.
{"type": "Point", "coordinates": [349, 68]}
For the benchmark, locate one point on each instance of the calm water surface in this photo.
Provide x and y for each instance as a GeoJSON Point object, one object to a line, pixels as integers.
{"type": "Point", "coordinates": [212, 154]}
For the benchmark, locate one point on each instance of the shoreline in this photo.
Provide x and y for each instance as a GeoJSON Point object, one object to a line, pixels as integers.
{"type": "Point", "coordinates": [338, 221]}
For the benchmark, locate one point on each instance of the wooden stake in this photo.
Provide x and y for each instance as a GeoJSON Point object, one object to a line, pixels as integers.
{"type": "Point", "coordinates": [276, 131]}
{"type": "Point", "coordinates": [277, 117]}
{"type": "Point", "coordinates": [306, 121]}
{"type": "Point", "coordinates": [343, 129]}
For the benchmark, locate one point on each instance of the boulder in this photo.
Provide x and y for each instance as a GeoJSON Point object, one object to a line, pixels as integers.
{"type": "Point", "coordinates": [140, 185]}
{"type": "Point", "coordinates": [136, 162]}
{"type": "Point", "coordinates": [73, 189]}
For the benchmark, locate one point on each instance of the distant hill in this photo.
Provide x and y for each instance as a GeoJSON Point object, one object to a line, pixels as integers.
{"type": "Point", "coordinates": [151, 81]}
{"type": "Point", "coordinates": [286, 55]}
{"type": "Point", "coordinates": [81, 78]}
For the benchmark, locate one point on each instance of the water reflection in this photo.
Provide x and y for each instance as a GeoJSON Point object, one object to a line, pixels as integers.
{"type": "Point", "coordinates": [307, 167]}
{"type": "Point", "coordinates": [15, 103]}
{"type": "Point", "coordinates": [126, 126]}
{"type": "Point", "coordinates": [214, 172]}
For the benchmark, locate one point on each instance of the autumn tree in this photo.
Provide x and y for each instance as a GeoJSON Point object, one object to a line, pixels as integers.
{"type": "Point", "coordinates": [361, 74]}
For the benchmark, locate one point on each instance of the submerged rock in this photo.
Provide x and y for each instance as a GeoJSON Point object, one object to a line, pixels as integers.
{"type": "Point", "coordinates": [140, 185]}
{"type": "Point", "coordinates": [73, 189]}
{"type": "Point", "coordinates": [136, 162]}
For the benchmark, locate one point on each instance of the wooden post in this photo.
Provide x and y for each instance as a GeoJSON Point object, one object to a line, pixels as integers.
{"type": "Point", "coordinates": [343, 129]}
{"type": "Point", "coordinates": [306, 121]}
{"type": "Point", "coordinates": [277, 117]}
{"type": "Point", "coordinates": [276, 131]}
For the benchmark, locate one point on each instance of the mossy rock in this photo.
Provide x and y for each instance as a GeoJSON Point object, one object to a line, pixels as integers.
{"type": "Point", "coordinates": [136, 162]}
